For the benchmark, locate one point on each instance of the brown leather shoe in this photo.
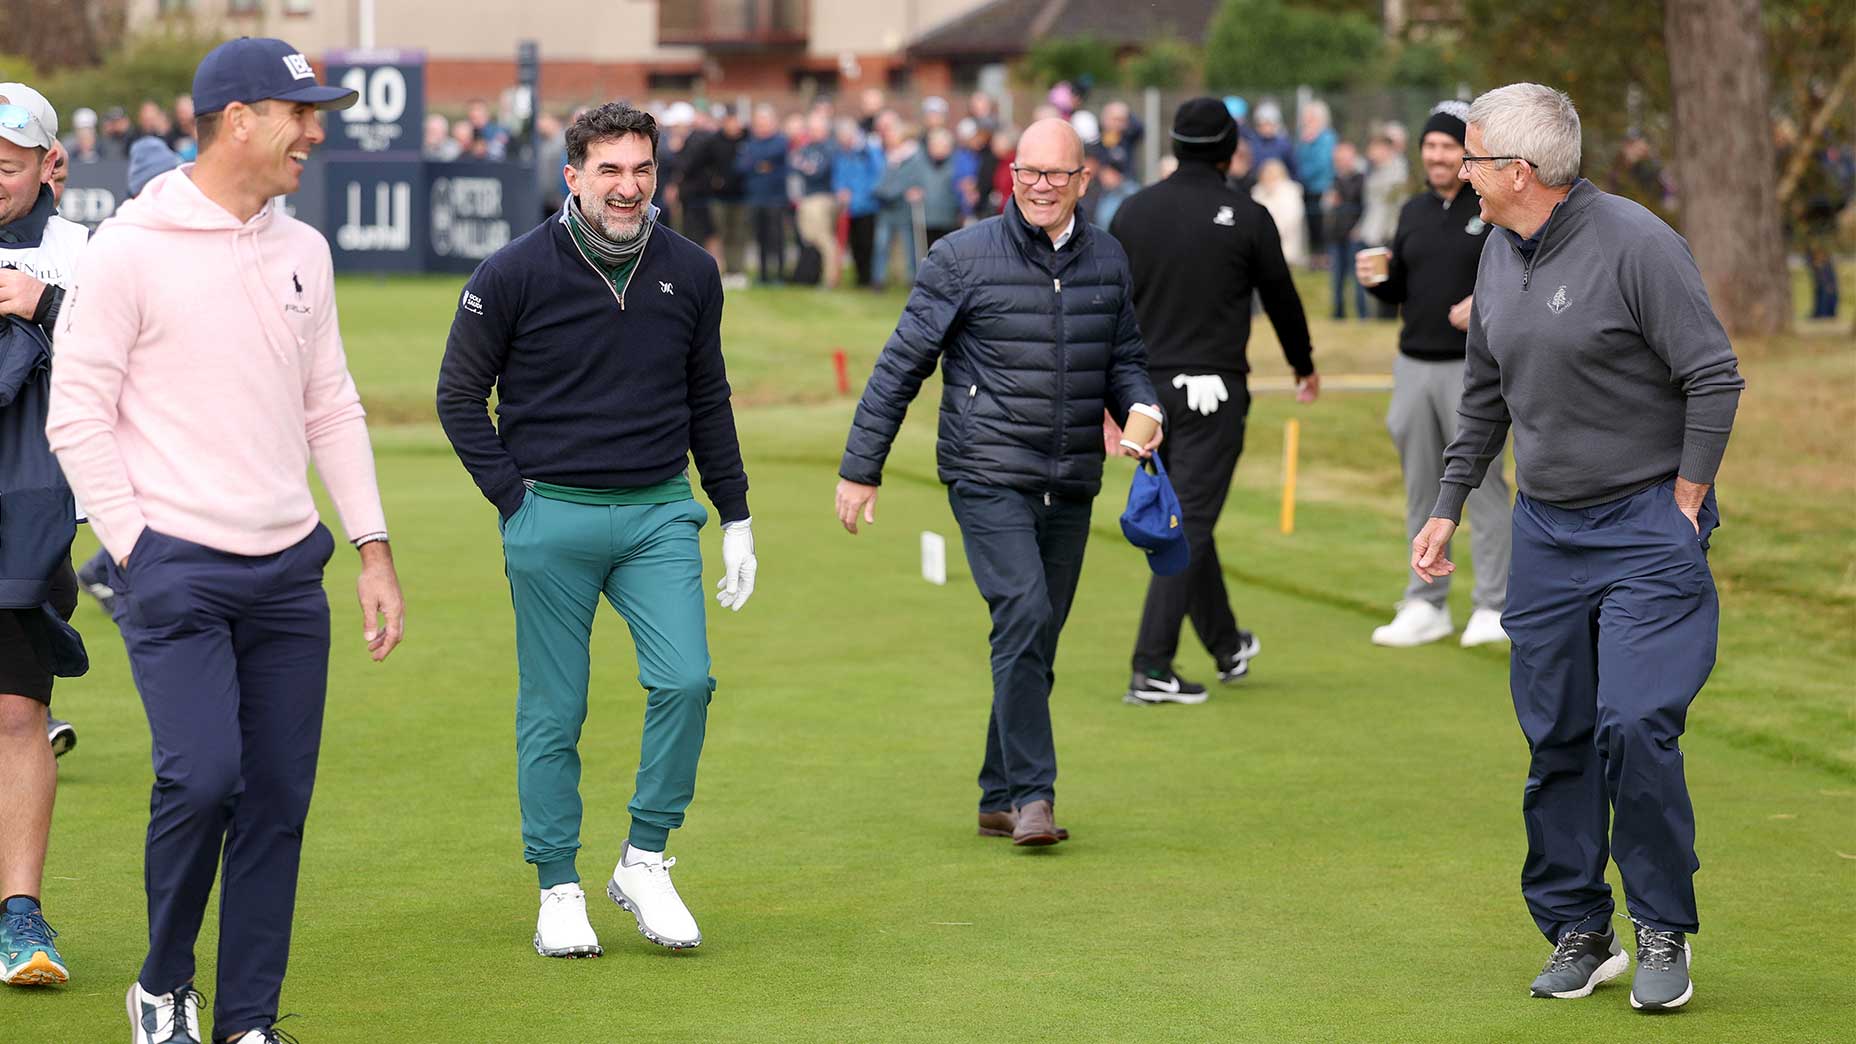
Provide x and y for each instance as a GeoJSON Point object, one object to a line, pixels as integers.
{"type": "Point", "coordinates": [1034, 825]}
{"type": "Point", "coordinates": [1002, 823]}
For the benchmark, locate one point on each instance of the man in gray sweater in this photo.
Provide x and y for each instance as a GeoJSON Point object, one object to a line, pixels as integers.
{"type": "Point", "coordinates": [1592, 337]}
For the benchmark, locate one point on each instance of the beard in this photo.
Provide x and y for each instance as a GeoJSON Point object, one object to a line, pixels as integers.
{"type": "Point", "coordinates": [611, 225]}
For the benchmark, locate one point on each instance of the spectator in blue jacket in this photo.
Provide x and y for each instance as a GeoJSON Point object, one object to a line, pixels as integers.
{"type": "Point", "coordinates": [966, 167]}
{"type": "Point", "coordinates": [902, 189]}
{"type": "Point", "coordinates": [1268, 142]}
{"type": "Point", "coordinates": [856, 165]}
{"type": "Point", "coordinates": [763, 167]}
{"type": "Point", "coordinates": [1314, 168]}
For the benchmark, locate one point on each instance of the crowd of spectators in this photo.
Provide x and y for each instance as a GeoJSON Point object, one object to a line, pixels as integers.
{"type": "Point", "coordinates": [858, 193]}
{"type": "Point", "coordinates": [841, 194]}
{"type": "Point", "coordinates": [95, 138]}
{"type": "Point", "coordinates": [855, 194]}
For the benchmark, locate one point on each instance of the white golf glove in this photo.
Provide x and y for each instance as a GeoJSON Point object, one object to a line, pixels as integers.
{"type": "Point", "coordinates": [738, 564]}
{"type": "Point", "coordinates": [1203, 391]}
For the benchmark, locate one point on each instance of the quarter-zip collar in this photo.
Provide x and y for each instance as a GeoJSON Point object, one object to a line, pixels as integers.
{"type": "Point", "coordinates": [1565, 219]}
{"type": "Point", "coordinates": [618, 289]}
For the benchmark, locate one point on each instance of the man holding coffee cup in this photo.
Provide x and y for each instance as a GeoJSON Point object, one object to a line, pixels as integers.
{"type": "Point", "coordinates": [1031, 316]}
{"type": "Point", "coordinates": [1198, 249]}
{"type": "Point", "coordinates": [601, 333]}
{"type": "Point", "coordinates": [1430, 272]}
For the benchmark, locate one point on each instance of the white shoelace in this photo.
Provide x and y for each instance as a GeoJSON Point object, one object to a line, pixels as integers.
{"type": "Point", "coordinates": [1568, 950]}
{"type": "Point", "coordinates": [1656, 949]}
{"type": "Point", "coordinates": [657, 877]}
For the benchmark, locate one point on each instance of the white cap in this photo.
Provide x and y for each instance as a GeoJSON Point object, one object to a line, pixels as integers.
{"type": "Point", "coordinates": [40, 127]}
{"type": "Point", "coordinates": [1086, 125]}
{"type": "Point", "coordinates": [679, 114]}
{"type": "Point", "coordinates": [84, 119]}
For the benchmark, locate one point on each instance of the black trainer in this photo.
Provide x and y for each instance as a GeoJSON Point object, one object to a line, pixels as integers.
{"type": "Point", "coordinates": [1579, 963]}
{"type": "Point", "coordinates": [63, 736]}
{"type": "Point", "coordinates": [1162, 687]}
{"type": "Point", "coordinates": [1237, 664]}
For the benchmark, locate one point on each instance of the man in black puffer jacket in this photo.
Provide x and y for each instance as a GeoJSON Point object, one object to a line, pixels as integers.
{"type": "Point", "coordinates": [1031, 315]}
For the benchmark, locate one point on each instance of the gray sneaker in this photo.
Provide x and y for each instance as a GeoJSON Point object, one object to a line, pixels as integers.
{"type": "Point", "coordinates": [1661, 982]}
{"type": "Point", "coordinates": [1579, 963]}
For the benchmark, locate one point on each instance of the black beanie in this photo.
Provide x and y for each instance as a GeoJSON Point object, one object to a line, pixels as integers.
{"type": "Point", "coordinates": [1203, 130]}
{"type": "Point", "coordinates": [1448, 118]}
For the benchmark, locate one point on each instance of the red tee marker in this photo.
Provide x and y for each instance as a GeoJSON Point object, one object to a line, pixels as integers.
{"type": "Point", "coordinates": [842, 365]}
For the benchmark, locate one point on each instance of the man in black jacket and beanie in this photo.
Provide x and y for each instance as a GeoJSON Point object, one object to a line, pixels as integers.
{"type": "Point", "coordinates": [1031, 315]}
{"type": "Point", "coordinates": [1431, 276]}
{"type": "Point", "coordinates": [1199, 249]}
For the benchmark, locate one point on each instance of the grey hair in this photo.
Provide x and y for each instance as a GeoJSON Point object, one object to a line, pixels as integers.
{"type": "Point", "coordinates": [1531, 120]}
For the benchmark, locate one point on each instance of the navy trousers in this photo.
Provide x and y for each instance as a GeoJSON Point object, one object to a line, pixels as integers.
{"type": "Point", "coordinates": [1026, 554]}
{"type": "Point", "coordinates": [1613, 616]}
{"type": "Point", "coordinates": [231, 656]}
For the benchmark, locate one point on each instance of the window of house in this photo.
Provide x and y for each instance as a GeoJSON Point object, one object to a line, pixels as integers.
{"type": "Point", "coordinates": [169, 7]}
{"type": "Point", "coordinates": [813, 82]}
{"type": "Point", "coordinates": [299, 7]}
{"type": "Point", "coordinates": [671, 82]}
{"type": "Point", "coordinates": [244, 7]}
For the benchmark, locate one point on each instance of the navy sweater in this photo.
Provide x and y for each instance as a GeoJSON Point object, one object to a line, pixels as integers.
{"type": "Point", "coordinates": [593, 389]}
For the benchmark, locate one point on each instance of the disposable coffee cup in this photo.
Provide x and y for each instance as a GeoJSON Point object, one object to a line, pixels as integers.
{"type": "Point", "coordinates": [1140, 429]}
{"type": "Point", "coordinates": [1378, 265]}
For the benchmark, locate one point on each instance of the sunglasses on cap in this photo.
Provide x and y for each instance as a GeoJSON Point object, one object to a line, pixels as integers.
{"type": "Point", "coordinates": [16, 117]}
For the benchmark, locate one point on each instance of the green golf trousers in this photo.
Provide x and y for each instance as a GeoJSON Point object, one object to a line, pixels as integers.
{"type": "Point", "coordinates": [560, 557]}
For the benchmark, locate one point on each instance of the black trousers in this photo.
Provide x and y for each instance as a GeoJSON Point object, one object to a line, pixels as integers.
{"type": "Point", "coordinates": [770, 235]}
{"type": "Point", "coordinates": [863, 246]}
{"type": "Point", "coordinates": [1201, 453]}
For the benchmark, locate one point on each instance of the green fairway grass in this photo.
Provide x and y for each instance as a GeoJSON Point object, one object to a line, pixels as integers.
{"type": "Point", "coordinates": [1328, 851]}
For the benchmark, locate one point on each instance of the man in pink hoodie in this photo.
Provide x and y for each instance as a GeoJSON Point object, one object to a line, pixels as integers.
{"type": "Point", "coordinates": [200, 371]}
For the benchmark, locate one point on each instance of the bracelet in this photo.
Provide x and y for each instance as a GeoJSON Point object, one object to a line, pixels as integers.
{"type": "Point", "coordinates": [370, 538]}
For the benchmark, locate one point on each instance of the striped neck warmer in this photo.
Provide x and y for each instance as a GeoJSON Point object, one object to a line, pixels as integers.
{"type": "Point", "coordinates": [609, 251]}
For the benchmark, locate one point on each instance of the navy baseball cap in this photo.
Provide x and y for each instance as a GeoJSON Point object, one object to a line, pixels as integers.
{"type": "Point", "coordinates": [1151, 521]}
{"type": "Point", "coordinates": [252, 69]}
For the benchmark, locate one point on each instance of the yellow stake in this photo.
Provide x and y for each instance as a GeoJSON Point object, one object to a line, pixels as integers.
{"type": "Point", "coordinates": [1291, 440]}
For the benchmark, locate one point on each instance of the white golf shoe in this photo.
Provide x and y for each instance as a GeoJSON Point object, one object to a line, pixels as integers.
{"type": "Point", "coordinates": [562, 929]}
{"type": "Point", "coordinates": [1484, 628]}
{"type": "Point", "coordinates": [641, 884]}
{"type": "Point", "coordinates": [1417, 623]}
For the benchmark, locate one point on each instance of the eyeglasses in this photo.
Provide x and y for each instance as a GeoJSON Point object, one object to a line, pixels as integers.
{"type": "Point", "coordinates": [1468, 159]}
{"type": "Point", "coordinates": [1029, 176]}
{"type": "Point", "coordinates": [15, 117]}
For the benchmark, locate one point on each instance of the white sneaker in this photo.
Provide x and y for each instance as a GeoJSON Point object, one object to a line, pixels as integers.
{"type": "Point", "coordinates": [1417, 622]}
{"type": "Point", "coordinates": [165, 1018]}
{"type": "Point", "coordinates": [1484, 628]}
{"type": "Point", "coordinates": [562, 930]}
{"type": "Point", "coordinates": [644, 888]}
